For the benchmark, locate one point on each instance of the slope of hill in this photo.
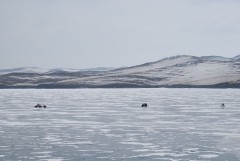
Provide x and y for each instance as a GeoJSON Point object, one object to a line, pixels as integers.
{"type": "Point", "coordinates": [236, 58]}
{"type": "Point", "coordinates": [178, 71]}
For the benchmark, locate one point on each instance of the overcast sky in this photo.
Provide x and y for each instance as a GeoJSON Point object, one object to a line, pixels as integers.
{"type": "Point", "coordinates": [114, 33]}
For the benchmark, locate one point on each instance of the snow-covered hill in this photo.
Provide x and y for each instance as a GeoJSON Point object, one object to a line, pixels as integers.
{"type": "Point", "coordinates": [178, 71]}
{"type": "Point", "coordinates": [236, 58]}
{"type": "Point", "coordinates": [23, 70]}
{"type": "Point", "coordinates": [215, 58]}
{"type": "Point", "coordinates": [55, 70]}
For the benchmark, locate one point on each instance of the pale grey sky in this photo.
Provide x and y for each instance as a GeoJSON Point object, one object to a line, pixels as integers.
{"type": "Point", "coordinates": [114, 33]}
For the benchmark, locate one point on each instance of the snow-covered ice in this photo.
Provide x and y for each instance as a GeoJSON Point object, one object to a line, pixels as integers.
{"type": "Point", "coordinates": [109, 124]}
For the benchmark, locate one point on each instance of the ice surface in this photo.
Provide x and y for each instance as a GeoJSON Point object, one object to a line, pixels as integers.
{"type": "Point", "coordinates": [109, 124]}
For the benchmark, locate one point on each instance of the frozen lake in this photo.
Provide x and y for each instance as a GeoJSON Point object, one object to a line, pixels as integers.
{"type": "Point", "coordinates": [110, 125]}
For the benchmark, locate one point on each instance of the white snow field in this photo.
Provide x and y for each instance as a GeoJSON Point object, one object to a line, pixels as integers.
{"type": "Point", "coordinates": [111, 125]}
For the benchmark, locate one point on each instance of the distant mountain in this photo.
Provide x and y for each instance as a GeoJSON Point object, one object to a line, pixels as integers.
{"type": "Point", "coordinates": [215, 58]}
{"type": "Point", "coordinates": [23, 70]}
{"type": "Point", "coordinates": [57, 70]}
{"type": "Point", "coordinates": [236, 58]}
{"type": "Point", "coordinates": [178, 71]}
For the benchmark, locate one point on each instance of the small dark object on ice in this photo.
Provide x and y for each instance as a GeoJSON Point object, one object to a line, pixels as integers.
{"type": "Point", "coordinates": [40, 106]}
{"type": "Point", "coordinates": [144, 105]}
{"type": "Point", "coordinates": [222, 105]}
